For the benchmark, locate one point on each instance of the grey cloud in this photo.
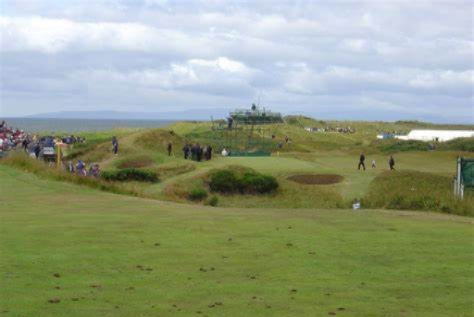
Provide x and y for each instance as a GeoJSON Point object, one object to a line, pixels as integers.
{"type": "Point", "coordinates": [398, 58]}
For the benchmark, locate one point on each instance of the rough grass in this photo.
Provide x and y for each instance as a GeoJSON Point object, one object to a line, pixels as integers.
{"type": "Point", "coordinates": [410, 190]}
{"type": "Point", "coordinates": [174, 169]}
{"type": "Point", "coordinates": [396, 146]}
{"type": "Point", "coordinates": [158, 139]}
{"type": "Point", "coordinates": [135, 161]}
{"type": "Point", "coordinates": [92, 151]}
{"type": "Point", "coordinates": [462, 144]}
{"type": "Point", "coordinates": [97, 254]}
{"type": "Point", "coordinates": [27, 164]}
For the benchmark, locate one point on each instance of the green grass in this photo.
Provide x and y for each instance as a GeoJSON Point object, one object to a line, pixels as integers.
{"type": "Point", "coordinates": [412, 190]}
{"type": "Point", "coordinates": [256, 262]}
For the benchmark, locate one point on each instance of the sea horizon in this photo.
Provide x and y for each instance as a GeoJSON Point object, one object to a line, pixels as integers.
{"type": "Point", "coordinates": [75, 125]}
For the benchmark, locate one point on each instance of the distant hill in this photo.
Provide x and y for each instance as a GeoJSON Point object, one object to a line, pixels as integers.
{"type": "Point", "coordinates": [195, 114]}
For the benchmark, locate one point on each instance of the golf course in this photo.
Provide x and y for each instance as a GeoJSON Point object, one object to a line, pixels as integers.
{"type": "Point", "coordinates": [74, 246]}
{"type": "Point", "coordinates": [69, 250]}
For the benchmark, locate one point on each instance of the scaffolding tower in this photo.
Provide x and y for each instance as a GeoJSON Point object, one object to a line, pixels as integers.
{"type": "Point", "coordinates": [247, 132]}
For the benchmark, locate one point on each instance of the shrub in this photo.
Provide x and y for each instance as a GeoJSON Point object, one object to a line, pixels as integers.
{"type": "Point", "coordinates": [255, 183]}
{"type": "Point", "coordinates": [250, 182]}
{"type": "Point", "coordinates": [197, 194]}
{"type": "Point", "coordinates": [214, 201]}
{"type": "Point", "coordinates": [224, 181]}
{"type": "Point", "coordinates": [130, 174]}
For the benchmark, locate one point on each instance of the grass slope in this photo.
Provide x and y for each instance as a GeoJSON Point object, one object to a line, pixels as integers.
{"type": "Point", "coordinates": [124, 256]}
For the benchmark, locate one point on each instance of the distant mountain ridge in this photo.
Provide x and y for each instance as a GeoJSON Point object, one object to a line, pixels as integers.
{"type": "Point", "coordinates": [195, 114]}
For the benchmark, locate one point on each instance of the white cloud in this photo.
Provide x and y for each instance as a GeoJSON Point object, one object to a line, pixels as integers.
{"type": "Point", "coordinates": [344, 80]}
{"type": "Point", "coordinates": [332, 52]}
{"type": "Point", "coordinates": [58, 35]}
{"type": "Point", "coordinates": [211, 76]}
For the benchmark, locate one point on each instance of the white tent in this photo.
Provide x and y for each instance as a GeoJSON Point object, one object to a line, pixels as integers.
{"type": "Point", "coordinates": [436, 135]}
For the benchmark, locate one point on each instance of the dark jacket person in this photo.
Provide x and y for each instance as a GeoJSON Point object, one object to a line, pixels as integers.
{"type": "Point", "coordinates": [361, 161]}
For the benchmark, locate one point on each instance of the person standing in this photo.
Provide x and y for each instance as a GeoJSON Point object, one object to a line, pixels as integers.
{"type": "Point", "coordinates": [194, 152]}
{"type": "Point", "coordinates": [70, 167]}
{"type": "Point", "coordinates": [115, 145]}
{"type": "Point", "coordinates": [361, 161]}
{"type": "Point", "coordinates": [170, 148]}
{"type": "Point", "coordinates": [199, 152]}
{"type": "Point", "coordinates": [209, 153]}
{"type": "Point", "coordinates": [391, 162]}
{"type": "Point", "coordinates": [186, 151]}
{"type": "Point", "coordinates": [37, 150]}
{"type": "Point", "coordinates": [25, 144]}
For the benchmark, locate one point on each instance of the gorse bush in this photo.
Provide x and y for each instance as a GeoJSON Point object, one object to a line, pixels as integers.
{"type": "Point", "coordinates": [130, 174]}
{"type": "Point", "coordinates": [197, 194]}
{"type": "Point", "coordinates": [230, 182]}
{"type": "Point", "coordinates": [408, 190]}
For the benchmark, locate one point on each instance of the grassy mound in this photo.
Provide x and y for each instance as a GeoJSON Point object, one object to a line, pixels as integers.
{"type": "Point", "coordinates": [308, 179]}
{"type": "Point", "coordinates": [409, 190]}
{"type": "Point", "coordinates": [136, 161]}
{"type": "Point", "coordinates": [168, 170]}
{"type": "Point", "coordinates": [93, 151]}
{"type": "Point", "coordinates": [158, 139]}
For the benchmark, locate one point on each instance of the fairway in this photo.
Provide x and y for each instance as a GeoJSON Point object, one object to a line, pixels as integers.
{"type": "Point", "coordinates": [69, 251]}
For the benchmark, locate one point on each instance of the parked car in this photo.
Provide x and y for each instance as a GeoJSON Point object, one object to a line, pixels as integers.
{"type": "Point", "coordinates": [48, 148]}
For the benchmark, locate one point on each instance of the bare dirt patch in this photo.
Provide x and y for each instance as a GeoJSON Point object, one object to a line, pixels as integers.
{"type": "Point", "coordinates": [314, 179]}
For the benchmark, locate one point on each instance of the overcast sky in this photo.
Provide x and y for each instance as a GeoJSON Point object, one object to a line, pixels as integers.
{"type": "Point", "coordinates": [379, 59]}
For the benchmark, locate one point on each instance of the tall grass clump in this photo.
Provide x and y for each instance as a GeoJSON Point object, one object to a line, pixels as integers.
{"type": "Point", "coordinates": [197, 194]}
{"type": "Point", "coordinates": [409, 190]}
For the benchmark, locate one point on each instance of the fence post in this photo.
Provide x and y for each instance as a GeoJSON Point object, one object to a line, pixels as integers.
{"type": "Point", "coordinates": [455, 185]}
{"type": "Point", "coordinates": [459, 179]}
